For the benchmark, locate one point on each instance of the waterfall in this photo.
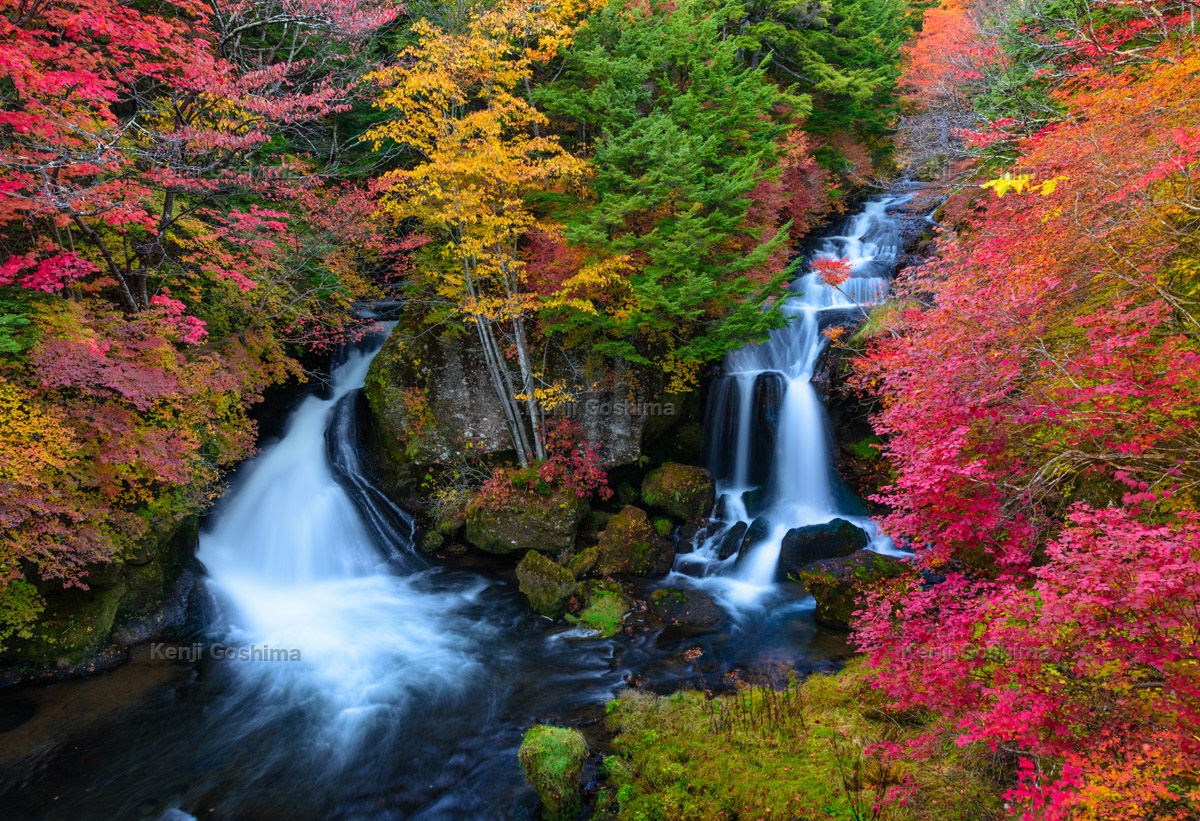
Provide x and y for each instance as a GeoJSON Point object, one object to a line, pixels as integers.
{"type": "Point", "coordinates": [295, 562]}
{"type": "Point", "coordinates": [773, 458]}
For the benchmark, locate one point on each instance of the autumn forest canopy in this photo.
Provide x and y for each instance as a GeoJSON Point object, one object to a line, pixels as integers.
{"type": "Point", "coordinates": [202, 202]}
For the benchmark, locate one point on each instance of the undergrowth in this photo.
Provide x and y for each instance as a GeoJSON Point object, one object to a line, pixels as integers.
{"type": "Point", "coordinates": [825, 748]}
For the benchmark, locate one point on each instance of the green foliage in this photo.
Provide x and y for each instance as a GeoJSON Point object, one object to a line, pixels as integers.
{"type": "Point", "coordinates": [16, 331]}
{"type": "Point", "coordinates": [869, 447]}
{"type": "Point", "coordinates": [846, 51]}
{"type": "Point", "coordinates": [816, 749]}
{"type": "Point", "coordinates": [681, 131]}
{"type": "Point", "coordinates": [20, 606]}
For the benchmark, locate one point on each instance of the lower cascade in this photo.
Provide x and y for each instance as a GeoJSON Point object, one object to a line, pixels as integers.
{"type": "Point", "coordinates": [294, 566]}
{"type": "Point", "coordinates": [769, 444]}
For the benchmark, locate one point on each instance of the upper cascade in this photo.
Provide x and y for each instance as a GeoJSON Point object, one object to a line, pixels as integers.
{"type": "Point", "coordinates": [769, 444]}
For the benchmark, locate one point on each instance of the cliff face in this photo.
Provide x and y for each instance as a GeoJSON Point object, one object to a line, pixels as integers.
{"type": "Point", "coordinates": [430, 401]}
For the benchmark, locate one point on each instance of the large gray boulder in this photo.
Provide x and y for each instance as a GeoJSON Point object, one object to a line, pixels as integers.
{"type": "Point", "coordinates": [805, 545]}
{"type": "Point", "coordinates": [429, 396]}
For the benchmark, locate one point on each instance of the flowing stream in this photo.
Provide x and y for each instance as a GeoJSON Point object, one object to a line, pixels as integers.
{"type": "Point", "coordinates": [399, 688]}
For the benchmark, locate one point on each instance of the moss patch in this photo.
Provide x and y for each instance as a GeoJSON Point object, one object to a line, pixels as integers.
{"type": "Point", "coordinates": [529, 520]}
{"type": "Point", "coordinates": [580, 564]}
{"type": "Point", "coordinates": [683, 492]}
{"type": "Point", "coordinates": [605, 609]}
{"type": "Point", "coordinates": [803, 751]}
{"type": "Point", "coordinates": [552, 758]}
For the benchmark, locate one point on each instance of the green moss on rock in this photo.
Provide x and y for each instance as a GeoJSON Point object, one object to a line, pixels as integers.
{"type": "Point", "coordinates": [838, 584]}
{"type": "Point", "coordinates": [546, 584]}
{"type": "Point", "coordinates": [605, 606]}
{"type": "Point", "coordinates": [630, 545]}
{"type": "Point", "coordinates": [528, 521]}
{"type": "Point", "coordinates": [813, 749]}
{"type": "Point", "coordinates": [553, 758]}
{"type": "Point", "coordinates": [683, 492]}
{"type": "Point", "coordinates": [78, 624]}
{"type": "Point", "coordinates": [74, 624]}
{"type": "Point", "coordinates": [431, 541]}
{"type": "Point", "coordinates": [582, 563]}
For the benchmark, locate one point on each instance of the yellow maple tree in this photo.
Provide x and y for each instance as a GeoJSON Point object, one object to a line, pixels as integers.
{"type": "Point", "coordinates": [455, 100]}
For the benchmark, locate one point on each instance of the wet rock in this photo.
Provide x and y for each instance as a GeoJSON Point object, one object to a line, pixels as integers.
{"type": "Point", "coordinates": [684, 492]}
{"type": "Point", "coordinates": [813, 543]}
{"type": "Point", "coordinates": [546, 584]}
{"type": "Point", "coordinates": [731, 542]}
{"type": "Point", "coordinates": [553, 759]}
{"type": "Point", "coordinates": [756, 500]}
{"type": "Point", "coordinates": [684, 606]}
{"type": "Point", "coordinates": [688, 536]}
{"type": "Point", "coordinates": [630, 545]}
{"type": "Point", "coordinates": [721, 425]}
{"type": "Point", "coordinates": [759, 529]}
{"type": "Point", "coordinates": [768, 401]}
{"type": "Point", "coordinates": [838, 584]}
{"type": "Point", "coordinates": [528, 521]}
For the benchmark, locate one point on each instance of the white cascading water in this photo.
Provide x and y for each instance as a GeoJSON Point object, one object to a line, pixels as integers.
{"type": "Point", "coordinates": [293, 566]}
{"type": "Point", "coordinates": [793, 483]}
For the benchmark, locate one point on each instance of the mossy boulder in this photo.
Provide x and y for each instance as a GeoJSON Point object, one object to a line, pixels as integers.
{"type": "Point", "coordinates": [431, 541]}
{"type": "Point", "coordinates": [547, 584]}
{"type": "Point", "coordinates": [605, 607]}
{"type": "Point", "coordinates": [630, 545]}
{"type": "Point", "coordinates": [684, 606]}
{"type": "Point", "coordinates": [582, 563]}
{"type": "Point", "coordinates": [838, 584]}
{"type": "Point", "coordinates": [683, 492]}
{"type": "Point", "coordinates": [528, 520]}
{"type": "Point", "coordinates": [128, 593]}
{"type": "Point", "coordinates": [427, 397]}
{"type": "Point", "coordinates": [78, 622]}
{"type": "Point", "coordinates": [553, 759]}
